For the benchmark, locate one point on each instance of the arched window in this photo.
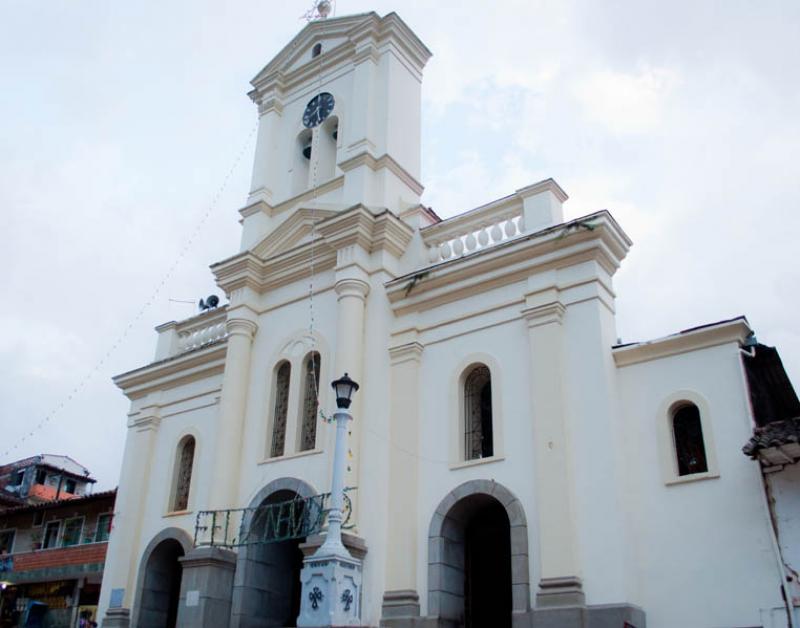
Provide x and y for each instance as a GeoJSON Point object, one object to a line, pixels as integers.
{"type": "Point", "coordinates": [183, 473]}
{"type": "Point", "coordinates": [316, 50]}
{"type": "Point", "coordinates": [308, 418]}
{"type": "Point", "coordinates": [282, 375]}
{"type": "Point", "coordinates": [687, 431]}
{"type": "Point", "coordinates": [478, 438]}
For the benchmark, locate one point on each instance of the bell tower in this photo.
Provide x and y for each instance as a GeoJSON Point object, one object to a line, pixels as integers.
{"type": "Point", "coordinates": [339, 122]}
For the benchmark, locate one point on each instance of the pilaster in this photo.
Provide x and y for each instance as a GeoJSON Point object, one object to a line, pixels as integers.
{"type": "Point", "coordinates": [560, 584]}
{"type": "Point", "coordinates": [401, 598]}
{"type": "Point", "coordinates": [352, 289]}
{"type": "Point", "coordinates": [242, 327]}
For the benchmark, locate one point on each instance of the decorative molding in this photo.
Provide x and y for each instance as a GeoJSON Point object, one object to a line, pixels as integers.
{"type": "Point", "coordinates": [560, 592]}
{"type": "Point", "coordinates": [359, 226]}
{"type": "Point", "coordinates": [409, 352]}
{"type": "Point", "coordinates": [290, 232]}
{"type": "Point", "coordinates": [512, 261]}
{"type": "Point", "coordinates": [548, 185]}
{"type": "Point", "coordinates": [378, 163]}
{"type": "Point", "coordinates": [241, 327]}
{"type": "Point", "coordinates": [351, 287]}
{"type": "Point", "coordinates": [725, 332]}
{"type": "Point", "coordinates": [544, 314]}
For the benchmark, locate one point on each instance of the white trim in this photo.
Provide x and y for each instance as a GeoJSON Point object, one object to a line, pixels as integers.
{"type": "Point", "coordinates": [80, 531]}
{"type": "Point", "coordinates": [666, 438]}
{"type": "Point", "coordinates": [457, 454]}
{"type": "Point", "coordinates": [170, 506]}
{"type": "Point", "coordinates": [13, 540]}
{"type": "Point", "coordinates": [58, 534]}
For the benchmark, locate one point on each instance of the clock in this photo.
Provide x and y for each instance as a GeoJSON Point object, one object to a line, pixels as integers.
{"type": "Point", "coordinates": [317, 109]}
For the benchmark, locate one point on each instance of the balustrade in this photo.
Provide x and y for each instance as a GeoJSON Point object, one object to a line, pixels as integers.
{"type": "Point", "coordinates": [472, 232]}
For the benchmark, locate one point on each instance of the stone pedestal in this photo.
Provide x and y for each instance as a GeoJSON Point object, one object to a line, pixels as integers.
{"type": "Point", "coordinates": [206, 588]}
{"type": "Point", "coordinates": [331, 592]}
{"type": "Point", "coordinates": [117, 618]}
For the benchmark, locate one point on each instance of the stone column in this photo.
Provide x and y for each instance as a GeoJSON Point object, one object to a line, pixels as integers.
{"type": "Point", "coordinates": [401, 599]}
{"type": "Point", "coordinates": [352, 293]}
{"type": "Point", "coordinates": [206, 588]}
{"type": "Point", "coordinates": [241, 327]}
{"type": "Point", "coordinates": [119, 574]}
{"type": "Point", "coordinates": [560, 584]}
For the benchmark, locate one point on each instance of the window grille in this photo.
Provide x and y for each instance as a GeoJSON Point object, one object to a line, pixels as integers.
{"type": "Point", "coordinates": [184, 479]}
{"type": "Point", "coordinates": [690, 449]}
{"type": "Point", "coordinates": [308, 435]}
{"type": "Point", "coordinates": [281, 409]}
{"type": "Point", "coordinates": [478, 414]}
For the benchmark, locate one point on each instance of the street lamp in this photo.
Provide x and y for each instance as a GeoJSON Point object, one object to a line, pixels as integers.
{"type": "Point", "coordinates": [331, 577]}
{"type": "Point", "coordinates": [344, 387]}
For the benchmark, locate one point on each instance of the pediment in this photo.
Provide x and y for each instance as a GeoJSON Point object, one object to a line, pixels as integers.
{"type": "Point", "coordinates": [332, 32]}
{"type": "Point", "coordinates": [292, 232]}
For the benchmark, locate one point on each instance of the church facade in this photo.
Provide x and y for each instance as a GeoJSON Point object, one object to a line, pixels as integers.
{"type": "Point", "coordinates": [510, 463]}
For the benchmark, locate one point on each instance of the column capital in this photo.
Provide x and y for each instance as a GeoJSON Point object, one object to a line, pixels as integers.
{"type": "Point", "coordinates": [352, 287]}
{"type": "Point", "coordinates": [409, 352]}
{"type": "Point", "coordinates": [241, 327]}
{"type": "Point", "coordinates": [549, 313]}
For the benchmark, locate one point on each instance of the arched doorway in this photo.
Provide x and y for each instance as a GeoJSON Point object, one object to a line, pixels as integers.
{"type": "Point", "coordinates": [161, 586]}
{"type": "Point", "coordinates": [478, 557]}
{"type": "Point", "coordinates": [267, 586]}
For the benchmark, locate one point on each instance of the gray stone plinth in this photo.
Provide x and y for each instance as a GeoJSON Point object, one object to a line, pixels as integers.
{"type": "Point", "coordinates": [117, 618]}
{"type": "Point", "coordinates": [400, 603]}
{"type": "Point", "coordinates": [560, 592]}
{"type": "Point", "coordinates": [206, 588]}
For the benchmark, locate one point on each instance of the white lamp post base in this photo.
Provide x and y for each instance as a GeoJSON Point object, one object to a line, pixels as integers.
{"type": "Point", "coordinates": [331, 591]}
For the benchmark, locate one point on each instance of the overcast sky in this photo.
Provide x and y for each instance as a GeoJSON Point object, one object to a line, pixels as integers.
{"type": "Point", "coordinates": [119, 122]}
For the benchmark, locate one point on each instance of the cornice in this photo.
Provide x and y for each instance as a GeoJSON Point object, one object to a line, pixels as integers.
{"type": "Point", "coordinates": [733, 331]}
{"type": "Point", "coordinates": [289, 203]}
{"type": "Point", "coordinates": [290, 232]}
{"type": "Point", "coordinates": [409, 352]}
{"type": "Point", "coordinates": [544, 314]}
{"type": "Point", "coordinates": [378, 163]}
{"type": "Point", "coordinates": [202, 363]}
{"type": "Point", "coordinates": [513, 260]}
{"type": "Point", "coordinates": [548, 185]}
{"type": "Point", "coordinates": [361, 227]}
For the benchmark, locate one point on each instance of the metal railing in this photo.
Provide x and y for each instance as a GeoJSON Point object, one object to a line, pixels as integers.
{"type": "Point", "coordinates": [268, 523]}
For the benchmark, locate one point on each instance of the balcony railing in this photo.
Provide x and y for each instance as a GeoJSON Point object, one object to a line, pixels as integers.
{"type": "Point", "coordinates": [193, 333]}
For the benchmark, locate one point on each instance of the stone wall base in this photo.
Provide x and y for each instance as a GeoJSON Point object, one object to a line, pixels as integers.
{"type": "Point", "coordinates": [206, 588]}
{"type": "Point", "coordinates": [117, 618]}
{"type": "Point", "coordinates": [600, 616]}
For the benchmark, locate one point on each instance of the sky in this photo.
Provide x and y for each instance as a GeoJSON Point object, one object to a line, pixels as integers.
{"type": "Point", "coordinates": [126, 149]}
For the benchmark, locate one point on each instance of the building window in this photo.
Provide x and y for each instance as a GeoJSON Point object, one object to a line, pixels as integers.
{"type": "Point", "coordinates": [316, 50]}
{"type": "Point", "coordinates": [18, 477]}
{"type": "Point", "coordinates": [308, 434]}
{"type": "Point", "coordinates": [72, 532]}
{"type": "Point", "coordinates": [687, 431]}
{"type": "Point", "coordinates": [41, 476]}
{"type": "Point", "coordinates": [281, 409]}
{"type": "Point", "coordinates": [69, 487]}
{"type": "Point", "coordinates": [103, 530]}
{"type": "Point", "coordinates": [38, 518]}
{"type": "Point", "coordinates": [183, 474]}
{"type": "Point", "coordinates": [478, 437]}
{"type": "Point", "coordinates": [50, 538]}
{"type": "Point", "coordinates": [7, 541]}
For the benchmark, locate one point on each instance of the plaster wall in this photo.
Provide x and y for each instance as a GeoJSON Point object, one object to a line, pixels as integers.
{"type": "Point", "coordinates": [702, 546]}
{"type": "Point", "coordinates": [785, 499]}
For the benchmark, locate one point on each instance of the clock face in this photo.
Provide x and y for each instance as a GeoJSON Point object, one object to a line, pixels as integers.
{"type": "Point", "coordinates": [317, 109]}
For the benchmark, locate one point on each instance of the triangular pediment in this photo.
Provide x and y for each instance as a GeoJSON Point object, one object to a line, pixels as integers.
{"type": "Point", "coordinates": [331, 32]}
{"type": "Point", "coordinates": [292, 232]}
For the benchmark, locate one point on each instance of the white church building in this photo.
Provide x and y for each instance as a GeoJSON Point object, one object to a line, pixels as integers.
{"type": "Point", "coordinates": [509, 464]}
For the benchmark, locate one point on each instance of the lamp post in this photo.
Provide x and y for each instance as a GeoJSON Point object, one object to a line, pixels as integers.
{"type": "Point", "coordinates": [331, 577]}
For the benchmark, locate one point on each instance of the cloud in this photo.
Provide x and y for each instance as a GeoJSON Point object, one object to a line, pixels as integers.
{"type": "Point", "coordinates": [627, 103]}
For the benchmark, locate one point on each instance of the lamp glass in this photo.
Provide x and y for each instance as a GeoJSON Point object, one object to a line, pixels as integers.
{"type": "Point", "coordinates": [344, 387]}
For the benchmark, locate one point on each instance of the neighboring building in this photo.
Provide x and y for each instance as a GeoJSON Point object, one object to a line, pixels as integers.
{"type": "Point", "coordinates": [43, 478]}
{"type": "Point", "coordinates": [51, 559]}
{"type": "Point", "coordinates": [512, 463]}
